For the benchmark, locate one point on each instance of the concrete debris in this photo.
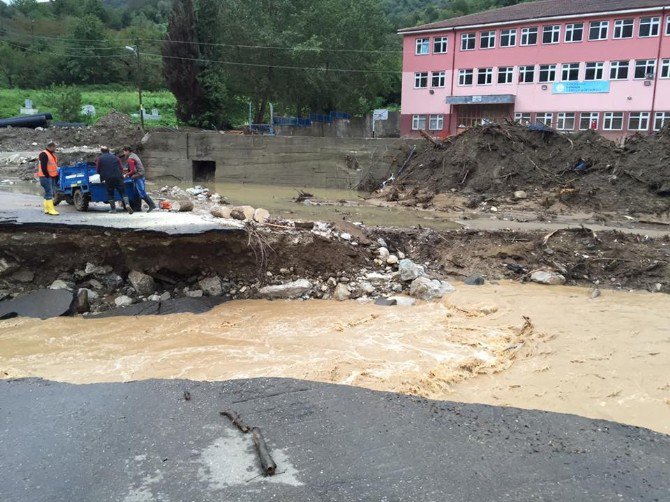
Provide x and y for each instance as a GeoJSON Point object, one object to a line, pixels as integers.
{"type": "Point", "coordinates": [427, 289]}
{"type": "Point", "coordinates": [392, 260]}
{"type": "Point", "coordinates": [383, 254]}
{"type": "Point", "coordinates": [520, 195]}
{"type": "Point", "coordinates": [40, 304]}
{"type": "Point", "coordinates": [211, 286]}
{"type": "Point", "coordinates": [545, 277]}
{"type": "Point", "coordinates": [123, 301]}
{"type": "Point", "coordinates": [242, 213]}
{"type": "Point", "coordinates": [342, 292]}
{"type": "Point", "coordinates": [182, 206]}
{"type": "Point", "coordinates": [410, 270]}
{"type": "Point", "coordinates": [221, 212]}
{"type": "Point", "coordinates": [60, 284]}
{"type": "Point", "coordinates": [403, 301]}
{"type": "Point", "coordinates": [293, 289]}
{"type": "Point", "coordinates": [366, 287]}
{"type": "Point", "coordinates": [261, 215]}
{"type": "Point", "coordinates": [196, 293]}
{"type": "Point", "coordinates": [142, 283]}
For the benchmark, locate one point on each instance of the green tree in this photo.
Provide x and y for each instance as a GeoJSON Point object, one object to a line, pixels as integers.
{"type": "Point", "coordinates": [10, 63]}
{"type": "Point", "coordinates": [26, 7]}
{"type": "Point", "coordinates": [67, 102]}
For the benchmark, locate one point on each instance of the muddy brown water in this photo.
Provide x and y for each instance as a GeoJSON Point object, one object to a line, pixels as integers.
{"type": "Point", "coordinates": [602, 358]}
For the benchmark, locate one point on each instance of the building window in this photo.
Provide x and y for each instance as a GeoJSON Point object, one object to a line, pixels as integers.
{"type": "Point", "coordinates": [565, 122]}
{"type": "Point", "coordinates": [544, 118]}
{"type": "Point", "coordinates": [661, 119]}
{"type": "Point", "coordinates": [551, 34]}
{"type": "Point", "coordinates": [422, 46]}
{"type": "Point", "coordinates": [468, 41]}
{"type": "Point", "coordinates": [465, 77]}
{"type": "Point", "coordinates": [598, 30]}
{"type": "Point", "coordinates": [650, 26]}
{"type": "Point", "coordinates": [569, 72]}
{"type": "Point", "coordinates": [508, 38]}
{"type": "Point", "coordinates": [619, 70]}
{"type": "Point", "coordinates": [528, 36]}
{"type": "Point", "coordinates": [645, 68]}
{"type": "Point", "coordinates": [574, 32]}
{"type": "Point", "coordinates": [438, 79]}
{"type": "Point", "coordinates": [440, 45]}
{"type": "Point", "coordinates": [613, 121]}
{"type": "Point", "coordinates": [522, 118]}
{"type": "Point", "coordinates": [527, 74]}
{"type": "Point", "coordinates": [547, 73]}
{"type": "Point", "coordinates": [638, 121]}
{"type": "Point", "coordinates": [623, 28]}
{"type": "Point", "coordinates": [665, 68]}
{"type": "Point", "coordinates": [667, 26]}
{"type": "Point", "coordinates": [487, 40]}
{"type": "Point", "coordinates": [421, 80]}
{"type": "Point", "coordinates": [594, 71]}
{"type": "Point", "coordinates": [418, 122]}
{"type": "Point", "coordinates": [506, 74]}
{"type": "Point", "coordinates": [436, 122]}
{"type": "Point", "coordinates": [485, 76]}
{"type": "Point", "coordinates": [588, 120]}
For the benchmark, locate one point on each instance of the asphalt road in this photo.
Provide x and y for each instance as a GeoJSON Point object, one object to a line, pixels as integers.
{"type": "Point", "coordinates": [143, 441]}
{"type": "Point", "coordinates": [23, 209]}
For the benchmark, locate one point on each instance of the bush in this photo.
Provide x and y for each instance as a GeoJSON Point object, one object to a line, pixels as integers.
{"type": "Point", "coordinates": [67, 102]}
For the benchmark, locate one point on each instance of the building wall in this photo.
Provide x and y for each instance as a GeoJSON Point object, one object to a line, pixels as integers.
{"type": "Point", "coordinates": [294, 161]}
{"type": "Point", "coordinates": [626, 96]}
{"type": "Point", "coordinates": [356, 127]}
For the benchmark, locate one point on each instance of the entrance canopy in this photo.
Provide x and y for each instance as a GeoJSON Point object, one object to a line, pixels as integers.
{"type": "Point", "coordinates": [491, 99]}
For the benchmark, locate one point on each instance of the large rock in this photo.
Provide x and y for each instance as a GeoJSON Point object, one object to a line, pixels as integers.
{"type": "Point", "coordinates": [221, 212]}
{"type": "Point", "coordinates": [112, 281]}
{"type": "Point", "coordinates": [243, 213]}
{"type": "Point", "coordinates": [293, 289]}
{"type": "Point", "coordinates": [426, 289]}
{"type": "Point", "coordinates": [24, 276]}
{"type": "Point", "coordinates": [261, 215]}
{"type": "Point", "coordinates": [342, 292]}
{"type": "Point", "coordinates": [410, 270]}
{"type": "Point", "coordinates": [82, 302]}
{"type": "Point", "coordinates": [123, 301]}
{"type": "Point", "coordinates": [142, 283]}
{"type": "Point", "coordinates": [546, 277]}
{"type": "Point", "coordinates": [475, 280]}
{"type": "Point", "coordinates": [211, 286]}
{"type": "Point", "coordinates": [60, 284]}
{"type": "Point", "coordinates": [42, 304]}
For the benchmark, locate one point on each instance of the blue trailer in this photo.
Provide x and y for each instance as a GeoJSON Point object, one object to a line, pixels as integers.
{"type": "Point", "coordinates": [75, 187]}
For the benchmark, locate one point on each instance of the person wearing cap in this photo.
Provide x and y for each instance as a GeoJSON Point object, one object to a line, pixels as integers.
{"type": "Point", "coordinates": [47, 173]}
{"type": "Point", "coordinates": [110, 169]}
{"type": "Point", "coordinates": [136, 172]}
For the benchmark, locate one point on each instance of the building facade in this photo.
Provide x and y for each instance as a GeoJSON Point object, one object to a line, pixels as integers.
{"type": "Point", "coordinates": [573, 65]}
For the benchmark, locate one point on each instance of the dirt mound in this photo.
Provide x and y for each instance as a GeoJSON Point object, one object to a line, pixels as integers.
{"type": "Point", "coordinates": [497, 160]}
{"type": "Point", "coordinates": [114, 130]}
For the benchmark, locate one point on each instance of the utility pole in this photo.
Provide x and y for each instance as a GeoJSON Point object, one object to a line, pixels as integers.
{"type": "Point", "coordinates": [136, 49]}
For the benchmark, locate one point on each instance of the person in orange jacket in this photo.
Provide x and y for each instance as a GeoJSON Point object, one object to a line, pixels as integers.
{"type": "Point", "coordinates": [47, 173]}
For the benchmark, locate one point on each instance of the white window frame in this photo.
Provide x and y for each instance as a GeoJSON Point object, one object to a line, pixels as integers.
{"type": "Point", "coordinates": [654, 23]}
{"type": "Point", "coordinates": [667, 26]}
{"type": "Point", "coordinates": [563, 119]}
{"type": "Point", "coordinates": [599, 27]}
{"type": "Point", "coordinates": [435, 122]}
{"type": "Point", "coordinates": [598, 67]}
{"type": "Point", "coordinates": [522, 118]}
{"type": "Point", "coordinates": [551, 69]}
{"type": "Point", "coordinates": [463, 74]}
{"type": "Point", "coordinates": [416, 122]}
{"type": "Point", "coordinates": [511, 37]}
{"type": "Point", "coordinates": [665, 68]}
{"type": "Point", "coordinates": [490, 36]}
{"type": "Point", "coordinates": [523, 71]}
{"type": "Point", "coordinates": [647, 63]}
{"type": "Point", "coordinates": [608, 121]}
{"type": "Point", "coordinates": [468, 37]}
{"type": "Point", "coordinates": [544, 117]}
{"type": "Point", "coordinates": [620, 24]}
{"type": "Point", "coordinates": [643, 121]}
{"type": "Point", "coordinates": [573, 28]}
{"type": "Point", "coordinates": [488, 75]}
{"type": "Point", "coordinates": [567, 67]}
{"type": "Point", "coordinates": [590, 116]}
{"type": "Point", "coordinates": [555, 31]}
{"type": "Point", "coordinates": [442, 79]}
{"type": "Point", "coordinates": [420, 45]}
{"type": "Point", "coordinates": [508, 73]}
{"type": "Point", "coordinates": [440, 45]}
{"type": "Point", "coordinates": [660, 119]}
{"type": "Point", "coordinates": [418, 77]}
{"type": "Point", "coordinates": [616, 67]}
{"type": "Point", "coordinates": [525, 33]}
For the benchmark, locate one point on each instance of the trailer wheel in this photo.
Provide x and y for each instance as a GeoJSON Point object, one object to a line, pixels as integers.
{"type": "Point", "coordinates": [69, 200]}
{"type": "Point", "coordinates": [80, 200]}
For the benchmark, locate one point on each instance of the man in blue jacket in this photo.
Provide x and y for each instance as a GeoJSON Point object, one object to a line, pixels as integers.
{"type": "Point", "coordinates": [110, 169]}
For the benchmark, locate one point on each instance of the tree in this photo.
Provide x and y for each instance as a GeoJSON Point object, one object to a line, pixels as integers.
{"type": "Point", "coordinates": [67, 102]}
{"type": "Point", "coordinates": [10, 63]}
{"type": "Point", "coordinates": [26, 7]}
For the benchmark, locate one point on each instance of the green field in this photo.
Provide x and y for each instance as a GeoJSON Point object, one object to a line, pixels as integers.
{"type": "Point", "coordinates": [104, 100]}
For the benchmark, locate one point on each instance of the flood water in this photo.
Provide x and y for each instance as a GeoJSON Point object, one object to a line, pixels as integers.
{"type": "Point", "coordinates": [602, 358]}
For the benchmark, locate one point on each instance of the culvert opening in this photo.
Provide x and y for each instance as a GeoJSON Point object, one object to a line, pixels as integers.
{"type": "Point", "coordinates": [204, 170]}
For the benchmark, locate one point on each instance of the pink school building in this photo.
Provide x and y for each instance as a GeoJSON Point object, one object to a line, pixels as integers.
{"type": "Point", "coordinates": [572, 64]}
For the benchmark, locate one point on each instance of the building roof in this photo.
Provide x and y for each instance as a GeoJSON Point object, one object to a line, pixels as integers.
{"type": "Point", "coordinates": [538, 10]}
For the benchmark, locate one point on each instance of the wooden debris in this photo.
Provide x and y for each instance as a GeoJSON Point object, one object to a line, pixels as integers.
{"type": "Point", "coordinates": [267, 464]}
{"type": "Point", "coordinates": [236, 420]}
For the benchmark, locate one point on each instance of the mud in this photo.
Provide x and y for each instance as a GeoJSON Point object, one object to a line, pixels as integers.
{"type": "Point", "coordinates": [492, 162]}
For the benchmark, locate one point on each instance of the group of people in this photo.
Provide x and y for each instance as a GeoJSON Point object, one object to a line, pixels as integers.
{"type": "Point", "coordinates": [112, 170]}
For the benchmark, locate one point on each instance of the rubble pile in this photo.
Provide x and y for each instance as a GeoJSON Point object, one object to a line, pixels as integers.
{"type": "Point", "coordinates": [514, 162]}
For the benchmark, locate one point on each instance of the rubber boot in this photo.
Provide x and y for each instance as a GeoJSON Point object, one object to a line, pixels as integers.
{"type": "Point", "coordinates": [50, 209]}
{"type": "Point", "coordinates": [150, 203]}
{"type": "Point", "coordinates": [46, 211]}
{"type": "Point", "coordinates": [126, 206]}
{"type": "Point", "coordinates": [112, 206]}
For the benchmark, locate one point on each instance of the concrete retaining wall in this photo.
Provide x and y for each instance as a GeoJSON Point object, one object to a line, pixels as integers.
{"type": "Point", "coordinates": [356, 127]}
{"type": "Point", "coordinates": [295, 161]}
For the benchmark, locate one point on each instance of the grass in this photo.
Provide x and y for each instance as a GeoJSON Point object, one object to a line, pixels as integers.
{"type": "Point", "coordinates": [104, 100]}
